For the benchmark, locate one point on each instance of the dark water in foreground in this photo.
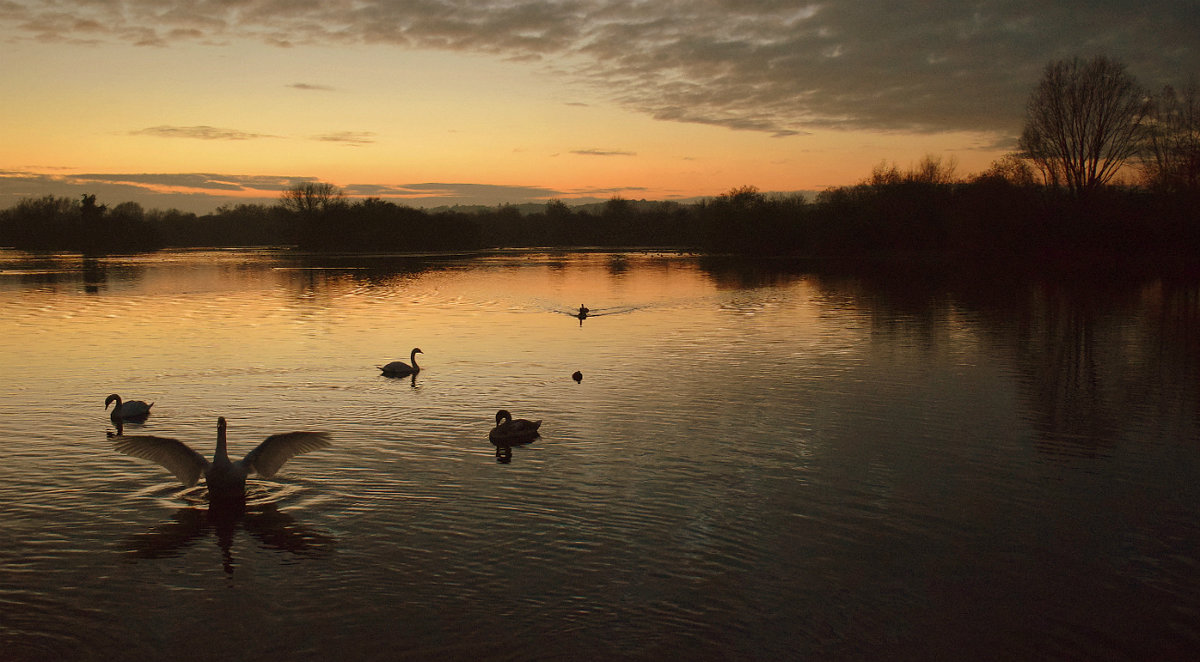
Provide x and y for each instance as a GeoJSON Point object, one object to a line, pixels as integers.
{"type": "Point", "coordinates": [756, 465]}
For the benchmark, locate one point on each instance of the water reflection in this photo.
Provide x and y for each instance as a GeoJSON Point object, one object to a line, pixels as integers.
{"type": "Point", "coordinates": [1090, 358]}
{"type": "Point", "coordinates": [271, 527]}
{"type": "Point", "coordinates": [1089, 355]}
{"type": "Point", "coordinates": [618, 264]}
{"type": "Point", "coordinates": [66, 272]}
{"type": "Point", "coordinates": [94, 275]}
{"type": "Point", "coordinates": [504, 452]}
{"type": "Point", "coordinates": [373, 270]}
{"type": "Point", "coordinates": [918, 457]}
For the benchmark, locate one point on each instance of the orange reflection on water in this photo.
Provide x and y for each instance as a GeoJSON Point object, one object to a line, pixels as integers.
{"type": "Point", "coordinates": [98, 324]}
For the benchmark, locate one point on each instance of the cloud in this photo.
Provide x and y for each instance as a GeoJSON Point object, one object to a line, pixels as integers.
{"type": "Point", "coordinates": [198, 132]}
{"type": "Point", "coordinates": [609, 191]}
{"type": "Point", "coordinates": [191, 192]}
{"type": "Point", "coordinates": [204, 192]}
{"type": "Point", "coordinates": [353, 138]}
{"type": "Point", "coordinates": [201, 193]}
{"type": "Point", "coordinates": [311, 87]}
{"type": "Point", "coordinates": [455, 191]}
{"type": "Point", "coordinates": [198, 181]}
{"type": "Point", "coordinates": [773, 66]}
{"type": "Point", "coordinates": [601, 152]}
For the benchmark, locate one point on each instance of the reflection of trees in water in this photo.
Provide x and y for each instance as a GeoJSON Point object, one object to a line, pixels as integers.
{"type": "Point", "coordinates": [325, 273]}
{"type": "Point", "coordinates": [1096, 358]}
{"type": "Point", "coordinates": [1093, 357]}
{"type": "Point", "coordinates": [727, 272]}
{"type": "Point", "coordinates": [1173, 313]}
{"type": "Point", "coordinates": [617, 265]}
{"type": "Point", "coordinates": [94, 275]}
{"type": "Point", "coordinates": [77, 272]}
{"type": "Point", "coordinates": [1064, 349]}
{"type": "Point", "coordinates": [272, 528]}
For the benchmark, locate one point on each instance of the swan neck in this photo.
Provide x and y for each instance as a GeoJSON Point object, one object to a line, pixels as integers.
{"type": "Point", "coordinates": [413, 358]}
{"type": "Point", "coordinates": [222, 452]}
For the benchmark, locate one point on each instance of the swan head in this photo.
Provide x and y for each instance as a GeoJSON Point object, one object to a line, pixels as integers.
{"type": "Point", "coordinates": [109, 400]}
{"type": "Point", "coordinates": [417, 350]}
{"type": "Point", "coordinates": [220, 424]}
{"type": "Point", "coordinates": [503, 415]}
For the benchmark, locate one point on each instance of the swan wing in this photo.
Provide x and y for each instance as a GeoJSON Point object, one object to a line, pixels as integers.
{"type": "Point", "coordinates": [396, 366]}
{"type": "Point", "coordinates": [516, 431]}
{"type": "Point", "coordinates": [279, 448]}
{"type": "Point", "coordinates": [176, 456]}
{"type": "Point", "coordinates": [135, 408]}
{"type": "Point", "coordinates": [523, 426]}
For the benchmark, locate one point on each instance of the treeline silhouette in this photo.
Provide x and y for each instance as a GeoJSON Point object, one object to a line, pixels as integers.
{"type": "Point", "coordinates": [924, 212]}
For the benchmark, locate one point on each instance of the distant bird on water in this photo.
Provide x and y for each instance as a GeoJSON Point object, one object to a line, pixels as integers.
{"type": "Point", "coordinates": [225, 479]}
{"type": "Point", "coordinates": [509, 431]}
{"type": "Point", "coordinates": [577, 376]}
{"type": "Point", "coordinates": [133, 410]}
{"type": "Point", "coordinates": [400, 368]}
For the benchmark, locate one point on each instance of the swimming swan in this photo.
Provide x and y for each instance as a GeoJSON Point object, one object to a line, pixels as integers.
{"type": "Point", "coordinates": [518, 431]}
{"type": "Point", "coordinates": [400, 368]}
{"type": "Point", "coordinates": [133, 410]}
{"type": "Point", "coordinates": [225, 479]}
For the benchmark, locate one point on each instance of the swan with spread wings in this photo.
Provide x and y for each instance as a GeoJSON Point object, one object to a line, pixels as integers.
{"type": "Point", "coordinates": [225, 478]}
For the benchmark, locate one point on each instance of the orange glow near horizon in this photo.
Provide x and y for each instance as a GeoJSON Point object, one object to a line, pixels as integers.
{"type": "Point", "coordinates": [434, 118]}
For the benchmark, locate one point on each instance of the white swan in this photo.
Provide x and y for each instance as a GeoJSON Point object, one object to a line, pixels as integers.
{"type": "Point", "coordinates": [510, 431]}
{"type": "Point", "coordinates": [400, 368]}
{"type": "Point", "coordinates": [133, 410]}
{"type": "Point", "coordinates": [226, 480]}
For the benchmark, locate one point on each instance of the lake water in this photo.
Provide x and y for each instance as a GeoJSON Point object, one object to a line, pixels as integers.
{"type": "Point", "coordinates": [759, 463]}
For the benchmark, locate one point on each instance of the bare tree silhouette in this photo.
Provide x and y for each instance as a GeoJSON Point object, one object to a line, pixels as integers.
{"type": "Point", "coordinates": [1172, 155]}
{"type": "Point", "coordinates": [1083, 122]}
{"type": "Point", "coordinates": [311, 197]}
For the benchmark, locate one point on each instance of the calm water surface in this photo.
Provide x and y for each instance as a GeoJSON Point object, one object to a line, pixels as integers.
{"type": "Point", "coordinates": [758, 464]}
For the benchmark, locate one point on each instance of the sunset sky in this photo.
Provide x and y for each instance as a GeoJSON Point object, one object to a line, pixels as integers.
{"type": "Point", "coordinates": [195, 103]}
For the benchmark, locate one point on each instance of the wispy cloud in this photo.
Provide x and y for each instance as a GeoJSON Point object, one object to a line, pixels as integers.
{"type": "Point", "coordinates": [199, 133]}
{"type": "Point", "coordinates": [778, 67]}
{"type": "Point", "coordinates": [311, 87]}
{"type": "Point", "coordinates": [601, 152]}
{"type": "Point", "coordinates": [353, 138]}
{"type": "Point", "coordinates": [455, 191]}
{"type": "Point", "coordinates": [608, 191]}
{"type": "Point", "coordinates": [194, 192]}
{"type": "Point", "coordinates": [203, 192]}
{"type": "Point", "coordinates": [203, 132]}
{"type": "Point", "coordinates": [198, 181]}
